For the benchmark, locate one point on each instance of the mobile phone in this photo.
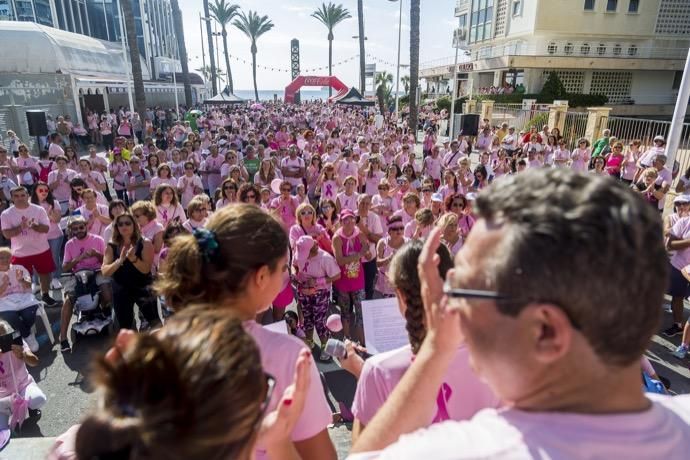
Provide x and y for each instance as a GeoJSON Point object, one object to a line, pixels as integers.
{"type": "Point", "coordinates": [7, 340]}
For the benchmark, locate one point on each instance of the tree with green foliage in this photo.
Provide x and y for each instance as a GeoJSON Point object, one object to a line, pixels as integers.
{"type": "Point", "coordinates": [330, 16]}
{"type": "Point", "coordinates": [553, 88]}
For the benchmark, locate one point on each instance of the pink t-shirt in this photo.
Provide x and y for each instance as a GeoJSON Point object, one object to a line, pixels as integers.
{"type": "Point", "coordinates": [76, 247]}
{"type": "Point", "coordinates": [55, 231]}
{"type": "Point", "coordinates": [322, 265]}
{"type": "Point", "coordinates": [680, 230]}
{"type": "Point", "coordinates": [14, 287]}
{"type": "Point", "coordinates": [433, 167]}
{"type": "Point", "coordinates": [278, 356]}
{"type": "Point", "coordinates": [95, 227]}
{"type": "Point", "coordinates": [286, 209]}
{"type": "Point", "coordinates": [10, 363]}
{"type": "Point", "coordinates": [188, 185]}
{"type": "Point", "coordinates": [461, 396]}
{"type": "Point", "coordinates": [62, 192]}
{"type": "Point", "coordinates": [661, 432]}
{"type": "Point", "coordinates": [166, 214]}
{"type": "Point", "coordinates": [29, 242]}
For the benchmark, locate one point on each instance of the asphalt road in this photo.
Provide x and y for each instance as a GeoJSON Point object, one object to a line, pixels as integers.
{"type": "Point", "coordinates": [65, 380]}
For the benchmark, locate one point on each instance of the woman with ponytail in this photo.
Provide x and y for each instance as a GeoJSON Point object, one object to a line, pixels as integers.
{"type": "Point", "coordinates": [462, 394]}
{"type": "Point", "coordinates": [193, 390]}
{"type": "Point", "coordinates": [237, 264]}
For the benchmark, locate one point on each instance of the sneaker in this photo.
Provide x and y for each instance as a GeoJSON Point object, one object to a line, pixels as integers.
{"type": "Point", "coordinates": [32, 342]}
{"type": "Point", "coordinates": [681, 351]}
{"type": "Point", "coordinates": [324, 357]}
{"type": "Point", "coordinates": [673, 330]}
{"type": "Point", "coordinates": [49, 301]}
{"type": "Point", "coordinates": [55, 285]}
{"type": "Point", "coordinates": [65, 347]}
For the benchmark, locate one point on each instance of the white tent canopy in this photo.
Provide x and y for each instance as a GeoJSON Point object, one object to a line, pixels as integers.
{"type": "Point", "coordinates": [33, 48]}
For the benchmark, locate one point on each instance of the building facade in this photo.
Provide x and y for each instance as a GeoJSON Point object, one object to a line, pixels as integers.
{"type": "Point", "coordinates": [101, 19]}
{"type": "Point", "coordinates": [633, 51]}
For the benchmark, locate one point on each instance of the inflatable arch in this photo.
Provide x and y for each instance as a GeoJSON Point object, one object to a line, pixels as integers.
{"type": "Point", "coordinates": [301, 81]}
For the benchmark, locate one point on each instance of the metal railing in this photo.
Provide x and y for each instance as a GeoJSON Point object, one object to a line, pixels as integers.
{"type": "Point", "coordinates": [628, 129]}
{"type": "Point", "coordinates": [520, 118]}
{"type": "Point", "coordinates": [574, 128]}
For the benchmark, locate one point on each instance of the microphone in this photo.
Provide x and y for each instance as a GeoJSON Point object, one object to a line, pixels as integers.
{"type": "Point", "coordinates": [335, 349]}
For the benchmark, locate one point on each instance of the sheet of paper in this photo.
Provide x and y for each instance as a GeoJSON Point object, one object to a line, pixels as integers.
{"type": "Point", "coordinates": [280, 327]}
{"type": "Point", "coordinates": [384, 326]}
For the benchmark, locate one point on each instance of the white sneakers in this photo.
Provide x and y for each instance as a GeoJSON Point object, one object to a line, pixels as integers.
{"type": "Point", "coordinates": [55, 285]}
{"type": "Point", "coordinates": [32, 342]}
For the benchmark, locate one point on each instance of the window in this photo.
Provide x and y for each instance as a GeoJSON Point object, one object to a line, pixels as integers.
{"type": "Point", "coordinates": [601, 49]}
{"type": "Point", "coordinates": [585, 48]}
{"type": "Point", "coordinates": [589, 5]}
{"type": "Point", "coordinates": [482, 18]}
{"type": "Point", "coordinates": [633, 6]}
{"type": "Point", "coordinates": [677, 78]}
{"type": "Point", "coordinates": [617, 49]}
{"type": "Point", "coordinates": [517, 7]}
{"type": "Point", "coordinates": [462, 21]}
{"type": "Point", "coordinates": [632, 50]}
{"type": "Point", "coordinates": [611, 6]}
{"type": "Point", "coordinates": [568, 48]}
{"type": "Point", "coordinates": [552, 48]}
{"type": "Point", "coordinates": [673, 18]}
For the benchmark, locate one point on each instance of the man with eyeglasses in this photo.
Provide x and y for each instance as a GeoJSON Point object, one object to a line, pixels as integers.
{"type": "Point", "coordinates": [561, 347]}
{"type": "Point", "coordinates": [84, 251]}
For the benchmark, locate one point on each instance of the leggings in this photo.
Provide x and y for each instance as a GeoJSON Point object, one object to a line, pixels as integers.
{"type": "Point", "coordinates": [124, 299]}
{"type": "Point", "coordinates": [123, 195]}
{"type": "Point", "coordinates": [350, 304]}
{"type": "Point", "coordinates": [108, 141]}
{"type": "Point", "coordinates": [315, 311]}
{"type": "Point", "coordinates": [21, 320]}
{"type": "Point", "coordinates": [370, 271]}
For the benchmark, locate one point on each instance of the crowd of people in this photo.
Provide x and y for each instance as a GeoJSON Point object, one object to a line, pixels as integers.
{"type": "Point", "coordinates": [240, 216]}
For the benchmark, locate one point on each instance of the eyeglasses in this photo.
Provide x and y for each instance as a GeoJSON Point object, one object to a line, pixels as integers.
{"type": "Point", "coordinates": [306, 212]}
{"type": "Point", "coordinates": [426, 190]}
{"type": "Point", "coordinates": [125, 223]}
{"type": "Point", "coordinates": [383, 188]}
{"type": "Point", "coordinates": [327, 206]}
{"type": "Point", "coordinates": [41, 190]}
{"type": "Point", "coordinates": [251, 195]}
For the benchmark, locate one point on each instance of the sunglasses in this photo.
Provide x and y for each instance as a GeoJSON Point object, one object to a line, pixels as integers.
{"type": "Point", "coordinates": [41, 190]}
{"type": "Point", "coordinates": [426, 190]}
{"type": "Point", "coordinates": [326, 207]}
{"type": "Point", "coordinates": [251, 195]}
{"type": "Point", "coordinates": [125, 223]}
{"type": "Point", "coordinates": [306, 212]}
{"type": "Point", "coordinates": [383, 188]}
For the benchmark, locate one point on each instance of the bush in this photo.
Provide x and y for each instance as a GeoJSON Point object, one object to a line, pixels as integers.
{"type": "Point", "coordinates": [538, 121]}
{"type": "Point", "coordinates": [553, 88]}
{"type": "Point", "coordinates": [443, 103]}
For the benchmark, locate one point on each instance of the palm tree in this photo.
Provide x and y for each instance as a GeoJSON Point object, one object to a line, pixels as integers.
{"type": "Point", "coordinates": [253, 26]}
{"type": "Point", "coordinates": [414, 66]}
{"type": "Point", "coordinates": [182, 51]}
{"type": "Point", "coordinates": [383, 91]}
{"type": "Point", "coordinates": [330, 16]}
{"type": "Point", "coordinates": [360, 20]}
{"type": "Point", "coordinates": [224, 13]}
{"type": "Point", "coordinates": [137, 77]}
{"type": "Point", "coordinates": [405, 80]}
{"type": "Point", "coordinates": [209, 38]}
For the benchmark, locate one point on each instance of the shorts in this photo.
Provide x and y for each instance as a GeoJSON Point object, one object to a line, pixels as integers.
{"type": "Point", "coordinates": [43, 263]}
{"type": "Point", "coordinates": [678, 286]}
{"type": "Point", "coordinates": [69, 283]}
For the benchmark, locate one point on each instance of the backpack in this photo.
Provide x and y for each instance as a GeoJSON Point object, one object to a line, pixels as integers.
{"type": "Point", "coordinates": [45, 170]}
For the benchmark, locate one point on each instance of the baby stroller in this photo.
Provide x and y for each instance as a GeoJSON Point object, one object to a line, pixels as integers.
{"type": "Point", "coordinates": [91, 319]}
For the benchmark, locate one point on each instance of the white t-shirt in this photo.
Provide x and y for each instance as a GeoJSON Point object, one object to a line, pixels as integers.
{"type": "Point", "coordinates": [661, 432]}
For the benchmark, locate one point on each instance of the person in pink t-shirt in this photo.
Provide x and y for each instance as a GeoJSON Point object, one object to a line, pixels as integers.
{"type": "Point", "coordinates": [26, 225]}
{"type": "Point", "coordinates": [284, 206]}
{"type": "Point", "coordinates": [96, 214]}
{"type": "Point", "coordinates": [545, 349]}
{"type": "Point", "coordinates": [460, 396]}
{"type": "Point", "coordinates": [316, 271]}
{"type": "Point", "coordinates": [222, 267]}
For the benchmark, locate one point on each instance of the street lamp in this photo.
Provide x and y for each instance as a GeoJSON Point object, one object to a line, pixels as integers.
{"type": "Point", "coordinates": [457, 39]}
{"type": "Point", "coordinates": [397, 72]}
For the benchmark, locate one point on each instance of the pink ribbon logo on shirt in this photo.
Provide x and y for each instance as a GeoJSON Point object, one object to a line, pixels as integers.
{"type": "Point", "coordinates": [329, 190]}
{"type": "Point", "coordinates": [444, 394]}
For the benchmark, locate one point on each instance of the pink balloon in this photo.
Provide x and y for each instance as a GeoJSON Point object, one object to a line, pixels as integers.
{"type": "Point", "coordinates": [334, 323]}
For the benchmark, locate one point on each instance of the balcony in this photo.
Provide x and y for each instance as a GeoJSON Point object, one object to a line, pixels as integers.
{"type": "Point", "coordinates": [462, 6]}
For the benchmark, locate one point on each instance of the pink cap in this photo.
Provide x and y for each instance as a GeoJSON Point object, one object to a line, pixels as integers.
{"type": "Point", "coordinates": [302, 249]}
{"type": "Point", "coordinates": [346, 213]}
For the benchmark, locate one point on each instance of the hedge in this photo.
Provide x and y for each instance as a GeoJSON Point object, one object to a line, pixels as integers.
{"type": "Point", "coordinates": [574, 99]}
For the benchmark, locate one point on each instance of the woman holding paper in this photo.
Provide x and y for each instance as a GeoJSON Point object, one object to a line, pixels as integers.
{"type": "Point", "coordinates": [462, 394]}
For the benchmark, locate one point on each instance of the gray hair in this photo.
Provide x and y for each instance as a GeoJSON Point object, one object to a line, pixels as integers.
{"type": "Point", "coordinates": [576, 241]}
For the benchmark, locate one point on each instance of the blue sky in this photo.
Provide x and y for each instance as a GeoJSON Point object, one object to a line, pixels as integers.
{"type": "Point", "coordinates": [292, 20]}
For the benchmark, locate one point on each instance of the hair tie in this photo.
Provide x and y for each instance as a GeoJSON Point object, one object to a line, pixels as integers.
{"type": "Point", "coordinates": [208, 244]}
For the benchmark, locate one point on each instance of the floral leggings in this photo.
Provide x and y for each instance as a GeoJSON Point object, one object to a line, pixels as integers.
{"type": "Point", "coordinates": [350, 304]}
{"type": "Point", "coordinates": [315, 311]}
